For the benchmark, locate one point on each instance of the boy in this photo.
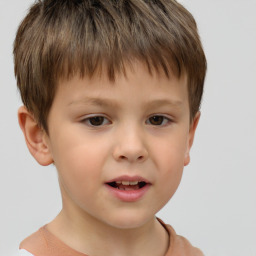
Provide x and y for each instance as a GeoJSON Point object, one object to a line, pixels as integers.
{"type": "Point", "coordinates": [111, 92]}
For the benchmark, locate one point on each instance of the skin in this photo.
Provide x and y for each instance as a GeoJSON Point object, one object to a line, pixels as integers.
{"type": "Point", "coordinates": [128, 141]}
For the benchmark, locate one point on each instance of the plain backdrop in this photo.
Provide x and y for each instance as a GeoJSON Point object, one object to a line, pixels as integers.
{"type": "Point", "coordinates": [215, 205]}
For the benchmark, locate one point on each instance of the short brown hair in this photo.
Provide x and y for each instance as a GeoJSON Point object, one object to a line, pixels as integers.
{"type": "Point", "coordinates": [61, 38]}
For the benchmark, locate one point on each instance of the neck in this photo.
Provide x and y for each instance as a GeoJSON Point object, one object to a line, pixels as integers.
{"type": "Point", "coordinates": [92, 237]}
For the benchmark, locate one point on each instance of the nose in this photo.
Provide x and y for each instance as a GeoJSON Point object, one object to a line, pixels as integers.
{"type": "Point", "coordinates": [130, 146]}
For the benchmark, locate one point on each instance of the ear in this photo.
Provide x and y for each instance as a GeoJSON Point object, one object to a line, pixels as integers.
{"type": "Point", "coordinates": [192, 131]}
{"type": "Point", "coordinates": [35, 137]}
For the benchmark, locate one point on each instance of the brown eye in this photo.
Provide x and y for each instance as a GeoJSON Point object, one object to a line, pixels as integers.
{"type": "Point", "coordinates": [156, 120]}
{"type": "Point", "coordinates": [96, 120]}
{"type": "Point", "coordinates": [159, 120]}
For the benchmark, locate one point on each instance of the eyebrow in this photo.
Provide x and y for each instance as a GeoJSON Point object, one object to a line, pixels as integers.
{"type": "Point", "coordinates": [107, 103]}
{"type": "Point", "coordinates": [95, 101]}
{"type": "Point", "coordinates": [164, 102]}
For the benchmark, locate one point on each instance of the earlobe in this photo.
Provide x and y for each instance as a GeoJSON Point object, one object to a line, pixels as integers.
{"type": "Point", "coordinates": [35, 137]}
{"type": "Point", "coordinates": [192, 131]}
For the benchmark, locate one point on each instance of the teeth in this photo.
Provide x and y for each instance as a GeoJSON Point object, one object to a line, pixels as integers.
{"type": "Point", "coordinates": [126, 183]}
{"type": "Point", "coordinates": [133, 182]}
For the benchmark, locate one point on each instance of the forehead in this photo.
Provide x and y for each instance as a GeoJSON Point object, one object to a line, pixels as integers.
{"type": "Point", "coordinates": [137, 82]}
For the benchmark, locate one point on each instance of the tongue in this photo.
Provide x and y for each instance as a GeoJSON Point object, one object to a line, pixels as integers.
{"type": "Point", "coordinates": [127, 187]}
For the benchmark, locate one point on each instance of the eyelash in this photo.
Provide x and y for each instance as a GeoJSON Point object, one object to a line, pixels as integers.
{"type": "Point", "coordinates": [88, 120]}
{"type": "Point", "coordinates": [164, 120]}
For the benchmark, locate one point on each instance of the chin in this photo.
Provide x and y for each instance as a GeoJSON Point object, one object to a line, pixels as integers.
{"type": "Point", "coordinates": [129, 221]}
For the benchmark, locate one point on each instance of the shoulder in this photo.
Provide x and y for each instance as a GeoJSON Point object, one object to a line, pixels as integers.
{"type": "Point", "coordinates": [35, 244]}
{"type": "Point", "coordinates": [179, 245]}
{"type": "Point", "coordinates": [184, 246]}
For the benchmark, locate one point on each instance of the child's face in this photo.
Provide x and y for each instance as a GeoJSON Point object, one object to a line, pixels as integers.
{"type": "Point", "coordinates": [136, 129]}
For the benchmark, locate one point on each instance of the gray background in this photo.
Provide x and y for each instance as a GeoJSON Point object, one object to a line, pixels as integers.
{"type": "Point", "coordinates": [215, 205]}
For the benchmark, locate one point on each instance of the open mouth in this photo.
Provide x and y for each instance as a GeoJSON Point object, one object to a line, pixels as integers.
{"type": "Point", "coordinates": [127, 185]}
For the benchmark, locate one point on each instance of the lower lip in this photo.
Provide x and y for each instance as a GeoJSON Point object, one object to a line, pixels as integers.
{"type": "Point", "coordinates": [129, 195]}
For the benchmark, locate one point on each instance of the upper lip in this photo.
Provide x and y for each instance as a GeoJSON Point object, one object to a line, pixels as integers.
{"type": "Point", "coordinates": [128, 178]}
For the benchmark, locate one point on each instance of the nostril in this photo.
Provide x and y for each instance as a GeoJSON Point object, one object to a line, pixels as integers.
{"type": "Point", "coordinates": [124, 157]}
{"type": "Point", "coordinates": [130, 156]}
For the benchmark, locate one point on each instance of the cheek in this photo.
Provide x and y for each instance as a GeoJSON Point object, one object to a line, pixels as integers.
{"type": "Point", "coordinates": [169, 153]}
{"type": "Point", "coordinates": [78, 161]}
{"type": "Point", "coordinates": [171, 173]}
{"type": "Point", "coordinates": [169, 160]}
{"type": "Point", "coordinates": [78, 169]}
